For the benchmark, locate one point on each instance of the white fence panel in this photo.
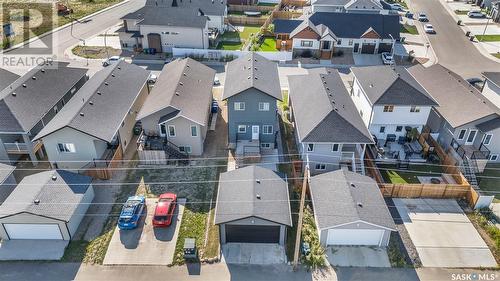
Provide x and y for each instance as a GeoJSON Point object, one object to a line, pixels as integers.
{"type": "Point", "coordinates": [217, 54]}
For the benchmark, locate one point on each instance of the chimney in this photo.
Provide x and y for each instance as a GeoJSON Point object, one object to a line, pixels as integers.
{"type": "Point", "coordinates": [174, 3]}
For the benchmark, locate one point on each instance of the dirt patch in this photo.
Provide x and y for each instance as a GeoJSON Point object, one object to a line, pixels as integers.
{"type": "Point", "coordinates": [95, 52]}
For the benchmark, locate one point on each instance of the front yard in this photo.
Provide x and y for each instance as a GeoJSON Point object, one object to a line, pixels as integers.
{"type": "Point", "coordinates": [407, 28]}
{"type": "Point", "coordinates": [95, 52]}
{"type": "Point", "coordinates": [488, 38]}
{"type": "Point", "coordinates": [488, 180]}
{"type": "Point", "coordinates": [392, 174]}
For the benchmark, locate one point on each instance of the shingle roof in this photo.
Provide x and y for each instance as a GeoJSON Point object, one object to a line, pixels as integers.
{"type": "Point", "coordinates": [169, 16]}
{"type": "Point", "coordinates": [336, 201]}
{"type": "Point", "coordinates": [237, 196]}
{"type": "Point", "coordinates": [20, 113]}
{"type": "Point", "coordinates": [208, 7]}
{"type": "Point", "coordinates": [364, 4]}
{"type": "Point", "coordinates": [59, 196]}
{"type": "Point", "coordinates": [285, 26]}
{"type": "Point", "coordinates": [490, 125]}
{"type": "Point", "coordinates": [494, 77]}
{"type": "Point", "coordinates": [324, 111]}
{"type": "Point", "coordinates": [252, 71]}
{"type": "Point", "coordinates": [304, 24]}
{"type": "Point", "coordinates": [6, 78]}
{"type": "Point", "coordinates": [385, 85]}
{"type": "Point", "coordinates": [185, 85]}
{"type": "Point", "coordinates": [101, 105]}
{"type": "Point", "coordinates": [459, 102]}
{"type": "Point", "coordinates": [5, 172]}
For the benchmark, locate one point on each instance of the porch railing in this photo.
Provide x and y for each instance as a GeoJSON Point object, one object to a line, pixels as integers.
{"type": "Point", "coordinates": [21, 147]}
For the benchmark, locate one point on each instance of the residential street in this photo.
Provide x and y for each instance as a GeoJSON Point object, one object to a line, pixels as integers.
{"type": "Point", "coordinates": [452, 48]}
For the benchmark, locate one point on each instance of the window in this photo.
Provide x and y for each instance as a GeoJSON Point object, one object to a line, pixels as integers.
{"type": "Point", "coordinates": [163, 129]}
{"type": "Point", "coordinates": [123, 124]}
{"type": "Point", "coordinates": [124, 45]}
{"type": "Point", "coordinates": [56, 109]}
{"type": "Point", "coordinates": [339, 41]}
{"type": "Point", "coordinates": [186, 149]}
{"type": "Point", "coordinates": [350, 42]}
{"type": "Point", "coordinates": [326, 45]}
{"type": "Point", "coordinates": [242, 129]}
{"type": "Point", "coordinates": [310, 147]}
{"type": "Point", "coordinates": [388, 108]}
{"type": "Point", "coordinates": [194, 131]}
{"type": "Point", "coordinates": [335, 147]}
{"type": "Point", "coordinates": [267, 129]}
{"type": "Point", "coordinates": [415, 109]}
{"type": "Point", "coordinates": [487, 139]}
{"type": "Point", "coordinates": [73, 90]}
{"type": "Point", "coordinates": [66, 147]}
{"type": "Point", "coordinates": [493, 157]}
{"type": "Point", "coordinates": [239, 106]}
{"type": "Point", "coordinates": [399, 128]}
{"type": "Point", "coordinates": [320, 166]}
{"type": "Point", "coordinates": [382, 129]}
{"type": "Point", "coordinates": [263, 106]}
{"type": "Point", "coordinates": [171, 130]}
{"type": "Point", "coordinates": [265, 145]}
{"type": "Point", "coordinates": [461, 135]}
{"type": "Point", "coordinates": [306, 43]}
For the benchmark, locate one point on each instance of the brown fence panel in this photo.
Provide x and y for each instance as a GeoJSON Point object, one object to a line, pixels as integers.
{"type": "Point", "coordinates": [239, 20]}
{"type": "Point", "coordinates": [249, 8]}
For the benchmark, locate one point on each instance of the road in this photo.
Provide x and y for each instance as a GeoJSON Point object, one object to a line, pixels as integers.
{"type": "Point", "coordinates": [452, 48]}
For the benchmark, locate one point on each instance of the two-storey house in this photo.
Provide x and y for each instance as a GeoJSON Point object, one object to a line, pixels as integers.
{"type": "Point", "coordinates": [347, 6]}
{"type": "Point", "coordinates": [491, 87]}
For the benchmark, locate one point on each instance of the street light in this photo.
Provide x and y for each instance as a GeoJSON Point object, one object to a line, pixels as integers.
{"type": "Point", "coordinates": [485, 27]}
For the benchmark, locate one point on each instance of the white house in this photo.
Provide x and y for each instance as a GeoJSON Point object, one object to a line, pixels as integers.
{"type": "Point", "coordinates": [491, 88]}
{"type": "Point", "coordinates": [347, 6]}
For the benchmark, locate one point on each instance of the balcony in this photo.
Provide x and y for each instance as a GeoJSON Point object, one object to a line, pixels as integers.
{"type": "Point", "coordinates": [22, 148]}
{"type": "Point", "coordinates": [471, 151]}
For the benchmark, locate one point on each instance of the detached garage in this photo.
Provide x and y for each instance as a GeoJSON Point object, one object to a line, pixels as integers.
{"type": "Point", "coordinates": [48, 205]}
{"type": "Point", "coordinates": [252, 206]}
{"type": "Point", "coordinates": [350, 210]}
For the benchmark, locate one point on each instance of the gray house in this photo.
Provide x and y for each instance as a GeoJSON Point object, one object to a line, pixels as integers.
{"type": "Point", "coordinates": [47, 206]}
{"type": "Point", "coordinates": [177, 111]}
{"type": "Point", "coordinates": [7, 181]}
{"type": "Point", "coordinates": [347, 6]}
{"type": "Point", "coordinates": [349, 210]}
{"type": "Point", "coordinates": [491, 88]}
{"type": "Point", "coordinates": [328, 129]}
{"type": "Point", "coordinates": [97, 125]}
{"type": "Point", "coordinates": [252, 206]}
{"type": "Point", "coordinates": [252, 90]}
{"type": "Point", "coordinates": [30, 102]}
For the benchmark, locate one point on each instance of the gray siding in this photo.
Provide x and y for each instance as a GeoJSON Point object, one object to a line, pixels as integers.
{"type": "Point", "coordinates": [126, 131]}
{"type": "Point", "coordinates": [354, 225]}
{"type": "Point", "coordinates": [80, 212]}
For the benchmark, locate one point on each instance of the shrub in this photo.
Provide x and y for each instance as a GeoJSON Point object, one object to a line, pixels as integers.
{"type": "Point", "coordinates": [316, 258]}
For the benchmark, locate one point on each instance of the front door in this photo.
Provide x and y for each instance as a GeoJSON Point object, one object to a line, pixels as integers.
{"type": "Point", "coordinates": [255, 132]}
{"type": "Point", "coordinates": [356, 47]}
{"type": "Point", "coordinates": [471, 137]}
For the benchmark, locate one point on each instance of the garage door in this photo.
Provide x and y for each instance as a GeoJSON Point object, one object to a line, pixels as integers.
{"type": "Point", "coordinates": [252, 234]}
{"type": "Point", "coordinates": [33, 231]}
{"type": "Point", "coordinates": [354, 236]}
{"type": "Point", "coordinates": [368, 48]}
{"type": "Point", "coordinates": [384, 47]}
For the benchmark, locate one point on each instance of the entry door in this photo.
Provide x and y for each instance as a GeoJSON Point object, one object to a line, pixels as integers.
{"type": "Point", "coordinates": [255, 132]}
{"type": "Point", "coordinates": [471, 137]}
{"type": "Point", "coordinates": [356, 47]}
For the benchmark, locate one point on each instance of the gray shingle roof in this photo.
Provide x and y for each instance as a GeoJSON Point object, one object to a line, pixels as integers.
{"type": "Point", "coordinates": [237, 196]}
{"type": "Point", "coordinates": [208, 7]}
{"type": "Point", "coordinates": [168, 16]}
{"type": "Point", "coordinates": [5, 171]}
{"type": "Point", "coordinates": [494, 77]}
{"type": "Point", "coordinates": [110, 103]}
{"type": "Point", "coordinates": [59, 198]}
{"type": "Point", "coordinates": [489, 125]}
{"type": "Point", "coordinates": [252, 71]}
{"type": "Point", "coordinates": [364, 4]}
{"type": "Point", "coordinates": [185, 85]}
{"type": "Point", "coordinates": [385, 85]}
{"type": "Point", "coordinates": [459, 102]}
{"type": "Point", "coordinates": [304, 24]}
{"type": "Point", "coordinates": [324, 111]}
{"type": "Point", "coordinates": [285, 26]}
{"type": "Point", "coordinates": [30, 103]}
{"type": "Point", "coordinates": [335, 201]}
{"type": "Point", "coordinates": [6, 78]}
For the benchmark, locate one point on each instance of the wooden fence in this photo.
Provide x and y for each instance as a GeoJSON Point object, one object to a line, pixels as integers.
{"type": "Point", "coordinates": [242, 20]}
{"type": "Point", "coordinates": [106, 172]}
{"type": "Point", "coordinates": [249, 8]}
{"type": "Point", "coordinates": [425, 190]}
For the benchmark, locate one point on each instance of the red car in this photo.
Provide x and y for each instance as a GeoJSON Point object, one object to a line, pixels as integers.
{"type": "Point", "coordinates": [164, 210]}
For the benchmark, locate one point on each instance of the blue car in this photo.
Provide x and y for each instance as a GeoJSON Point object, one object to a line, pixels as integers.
{"type": "Point", "coordinates": [131, 212]}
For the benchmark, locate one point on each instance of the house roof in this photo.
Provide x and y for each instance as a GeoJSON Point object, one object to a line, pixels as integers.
{"type": "Point", "coordinates": [364, 4]}
{"type": "Point", "coordinates": [341, 197]}
{"type": "Point", "coordinates": [60, 193]}
{"type": "Point", "coordinates": [490, 125]}
{"type": "Point", "coordinates": [185, 85]}
{"type": "Point", "coordinates": [252, 71]}
{"type": "Point", "coordinates": [35, 97]}
{"type": "Point", "coordinates": [324, 111]}
{"type": "Point", "coordinates": [459, 102]}
{"type": "Point", "coordinates": [168, 16]}
{"type": "Point", "coordinates": [100, 106]}
{"type": "Point", "coordinates": [6, 78]}
{"type": "Point", "coordinates": [304, 24]}
{"type": "Point", "coordinates": [5, 171]}
{"type": "Point", "coordinates": [494, 77]}
{"type": "Point", "coordinates": [207, 7]}
{"type": "Point", "coordinates": [238, 193]}
{"type": "Point", "coordinates": [285, 26]}
{"type": "Point", "coordinates": [387, 85]}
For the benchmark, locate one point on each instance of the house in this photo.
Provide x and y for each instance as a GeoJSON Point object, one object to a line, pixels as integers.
{"type": "Point", "coordinates": [30, 102]}
{"type": "Point", "coordinates": [349, 210]}
{"type": "Point", "coordinates": [252, 90]}
{"type": "Point", "coordinates": [164, 24]}
{"type": "Point", "coordinates": [328, 129]}
{"type": "Point", "coordinates": [7, 181]}
{"type": "Point", "coordinates": [491, 88]}
{"type": "Point", "coordinates": [323, 34]}
{"type": "Point", "coordinates": [465, 120]}
{"type": "Point", "coordinates": [46, 206]}
{"type": "Point", "coordinates": [7, 78]}
{"type": "Point", "coordinates": [347, 6]}
{"type": "Point", "coordinates": [176, 113]}
{"type": "Point", "coordinates": [252, 206]}
{"type": "Point", "coordinates": [495, 11]}
{"type": "Point", "coordinates": [390, 101]}
{"type": "Point", "coordinates": [96, 126]}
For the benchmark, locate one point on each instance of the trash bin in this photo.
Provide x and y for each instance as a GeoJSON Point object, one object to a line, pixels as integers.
{"type": "Point", "coordinates": [190, 252]}
{"type": "Point", "coordinates": [471, 38]}
{"type": "Point", "coordinates": [467, 33]}
{"type": "Point", "coordinates": [459, 22]}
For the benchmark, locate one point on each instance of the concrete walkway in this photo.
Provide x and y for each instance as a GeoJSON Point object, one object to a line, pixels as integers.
{"type": "Point", "coordinates": [358, 256]}
{"type": "Point", "coordinates": [253, 253]}
{"type": "Point", "coordinates": [32, 249]}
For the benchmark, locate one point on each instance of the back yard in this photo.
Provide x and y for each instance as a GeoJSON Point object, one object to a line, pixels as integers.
{"type": "Point", "coordinates": [235, 40]}
{"type": "Point", "coordinates": [392, 174]}
{"type": "Point", "coordinates": [488, 180]}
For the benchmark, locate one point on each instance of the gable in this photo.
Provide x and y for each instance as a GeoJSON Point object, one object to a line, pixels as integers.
{"type": "Point", "coordinates": [370, 34]}
{"type": "Point", "coordinates": [307, 33]}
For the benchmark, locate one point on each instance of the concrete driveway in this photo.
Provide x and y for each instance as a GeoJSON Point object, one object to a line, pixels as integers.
{"type": "Point", "coordinates": [253, 253]}
{"type": "Point", "coordinates": [442, 234]}
{"type": "Point", "coordinates": [145, 244]}
{"type": "Point", "coordinates": [32, 249]}
{"type": "Point", "coordinates": [360, 256]}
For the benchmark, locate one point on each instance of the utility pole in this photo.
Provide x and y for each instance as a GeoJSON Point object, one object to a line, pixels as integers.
{"type": "Point", "coordinates": [305, 182]}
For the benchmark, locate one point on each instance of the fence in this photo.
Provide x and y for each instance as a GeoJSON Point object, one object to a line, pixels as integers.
{"type": "Point", "coordinates": [211, 54]}
{"type": "Point", "coordinates": [243, 20]}
{"type": "Point", "coordinates": [105, 172]}
{"type": "Point", "coordinates": [249, 8]}
{"type": "Point", "coordinates": [425, 190]}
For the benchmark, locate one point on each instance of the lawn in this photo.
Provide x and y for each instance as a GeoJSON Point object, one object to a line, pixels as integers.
{"type": "Point", "coordinates": [267, 4]}
{"type": "Point", "coordinates": [269, 45]}
{"type": "Point", "coordinates": [411, 29]}
{"type": "Point", "coordinates": [497, 55]}
{"type": "Point", "coordinates": [95, 52]}
{"type": "Point", "coordinates": [231, 46]}
{"type": "Point", "coordinates": [391, 174]}
{"type": "Point", "coordinates": [489, 179]}
{"type": "Point", "coordinates": [488, 38]}
{"type": "Point", "coordinates": [461, 12]}
{"type": "Point", "coordinates": [248, 31]}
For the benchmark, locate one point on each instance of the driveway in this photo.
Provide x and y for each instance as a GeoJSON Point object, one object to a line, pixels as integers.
{"type": "Point", "coordinates": [32, 249]}
{"type": "Point", "coordinates": [359, 256]}
{"type": "Point", "coordinates": [145, 244]}
{"type": "Point", "coordinates": [442, 234]}
{"type": "Point", "coordinates": [253, 253]}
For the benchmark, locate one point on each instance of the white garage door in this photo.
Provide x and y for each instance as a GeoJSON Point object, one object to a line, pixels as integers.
{"type": "Point", "coordinates": [33, 231]}
{"type": "Point", "coordinates": [354, 236]}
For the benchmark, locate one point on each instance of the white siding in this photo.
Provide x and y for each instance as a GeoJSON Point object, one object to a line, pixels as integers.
{"type": "Point", "coordinates": [362, 103]}
{"type": "Point", "coordinates": [80, 212]}
{"type": "Point", "coordinates": [186, 38]}
{"type": "Point", "coordinates": [492, 92]}
{"type": "Point", "coordinates": [296, 44]}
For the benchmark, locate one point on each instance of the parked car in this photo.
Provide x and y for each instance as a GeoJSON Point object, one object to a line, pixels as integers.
{"type": "Point", "coordinates": [409, 15]}
{"type": "Point", "coordinates": [215, 106]}
{"type": "Point", "coordinates": [131, 212]}
{"type": "Point", "coordinates": [428, 28]}
{"type": "Point", "coordinates": [397, 7]}
{"type": "Point", "coordinates": [152, 79]}
{"type": "Point", "coordinates": [476, 82]}
{"type": "Point", "coordinates": [111, 60]}
{"type": "Point", "coordinates": [387, 58]}
{"type": "Point", "coordinates": [475, 14]}
{"type": "Point", "coordinates": [216, 81]}
{"type": "Point", "coordinates": [422, 17]}
{"type": "Point", "coordinates": [164, 210]}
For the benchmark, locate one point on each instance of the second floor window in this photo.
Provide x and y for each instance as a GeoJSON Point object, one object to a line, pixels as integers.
{"type": "Point", "coordinates": [194, 131]}
{"type": "Point", "coordinates": [335, 147]}
{"type": "Point", "coordinates": [487, 139]}
{"type": "Point", "coordinates": [267, 129]}
{"type": "Point", "coordinates": [66, 147]}
{"type": "Point", "coordinates": [263, 106]}
{"type": "Point", "coordinates": [306, 43]}
{"type": "Point", "coordinates": [310, 147]}
{"type": "Point", "coordinates": [461, 135]}
{"type": "Point", "coordinates": [171, 131]}
{"type": "Point", "coordinates": [388, 108]}
{"type": "Point", "coordinates": [415, 109]}
{"type": "Point", "coordinates": [239, 106]}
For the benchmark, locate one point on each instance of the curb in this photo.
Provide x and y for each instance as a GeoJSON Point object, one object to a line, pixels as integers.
{"type": "Point", "coordinates": [62, 27]}
{"type": "Point", "coordinates": [433, 59]}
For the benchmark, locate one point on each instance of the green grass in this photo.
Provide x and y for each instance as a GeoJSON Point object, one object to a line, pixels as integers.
{"type": "Point", "coordinates": [400, 2]}
{"type": "Point", "coordinates": [393, 175]}
{"type": "Point", "coordinates": [95, 52]}
{"type": "Point", "coordinates": [232, 46]}
{"type": "Point", "coordinates": [230, 35]}
{"type": "Point", "coordinates": [267, 4]}
{"type": "Point", "coordinates": [249, 31]}
{"type": "Point", "coordinates": [497, 55]}
{"type": "Point", "coordinates": [212, 247]}
{"type": "Point", "coordinates": [269, 45]}
{"type": "Point", "coordinates": [192, 226]}
{"type": "Point", "coordinates": [411, 29]}
{"type": "Point", "coordinates": [461, 12]}
{"type": "Point", "coordinates": [489, 180]}
{"type": "Point", "coordinates": [488, 38]}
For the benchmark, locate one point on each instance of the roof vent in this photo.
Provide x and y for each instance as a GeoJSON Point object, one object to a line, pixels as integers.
{"type": "Point", "coordinates": [258, 196]}
{"type": "Point", "coordinates": [54, 177]}
{"type": "Point", "coordinates": [36, 201]}
{"type": "Point", "coordinates": [34, 77]}
{"type": "Point", "coordinates": [24, 85]}
{"type": "Point", "coordinates": [184, 74]}
{"type": "Point", "coordinates": [82, 114]}
{"type": "Point", "coordinates": [91, 102]}
{"type": "Point", "coordinates": [106, 83]}
{"type": "Point", "coordinates": [327, 88]}
{"type": "Point", "coordinates": [180, 83]}
{"type": "Point", "coordinates": [371, 85]}
{"type": "Point", "coordinates": [187, 65]}
{"type": "Point", "coordinates": [249, 77]}
{"type": "Point", "coordinates": [119, 67]}
{"type": "Point", "coordinates": [43, 70]}
{"type": "Point", "coordinates": [257, 181]}
{"type": "Point", "coordinates": [256, 78]}
{"type": "Point", "coordinates": [112, 75]}
{"type": "Point", "coordinates": [177, 94]}
{"type": "Point", "coordinates": [14, 94]}
{"type": "Point", "coordinates": [99, 93]}
{"type": "Point", "coordinates": [360, 204]}
{"type": "Point", "coordinates": [352, 184]}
